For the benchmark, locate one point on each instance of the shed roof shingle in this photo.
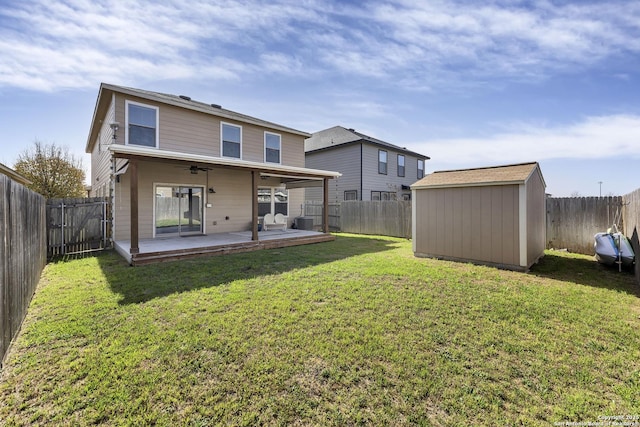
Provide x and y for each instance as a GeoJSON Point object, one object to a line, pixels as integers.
{"type": "Point", "coordinates": [494, 175]}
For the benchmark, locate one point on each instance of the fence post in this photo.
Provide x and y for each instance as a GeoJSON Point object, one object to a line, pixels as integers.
{"type": "Point", "coordinates": [62, 221]}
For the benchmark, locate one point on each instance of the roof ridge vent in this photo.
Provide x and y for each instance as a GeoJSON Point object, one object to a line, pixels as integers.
{"type": "Point", "coordinates": [216, 106]}
{"type": "Point", "coordinates": [185, 97]}
{"type": "Point", "coordinates": [351, 129]}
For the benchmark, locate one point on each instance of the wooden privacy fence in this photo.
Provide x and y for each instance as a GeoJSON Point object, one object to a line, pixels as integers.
{"type": "Point", "coordinates": [385, 218]}
{"type": "Point", "coordinates": [23, 250]}
{"type": "Point", "coordinates": [631, 219]}
{"type": "Point", "coordinates": [77, 225]}
{"type": "Point", "coordinates": [313, 209]}
{"type": "Point", "coordinates": [573, 221]}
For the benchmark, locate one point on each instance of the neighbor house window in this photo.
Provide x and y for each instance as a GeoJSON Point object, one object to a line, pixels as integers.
{"type": "Point", "coordinates": [400, 165]}
{"type": "Point", "coordinates": [142, 124]}
{"type": "Point", "coordinates": [420, 168]}
{"type": "Point", "coordinates": [351, 195]}
{"type": "Point", "coordinates": [272, 146]}
{"type": "Point", "coordinates": [383, 195]}
{"type": "Point", "coordinates": [382, 162]}
{"type": "Point", "coordinates": [231, 140]}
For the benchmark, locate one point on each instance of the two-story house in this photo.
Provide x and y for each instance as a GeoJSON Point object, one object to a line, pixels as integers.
{"type": "Point", "coordinates": [371, 169]}
{"type": "Point", "coordinates": [175, 167]}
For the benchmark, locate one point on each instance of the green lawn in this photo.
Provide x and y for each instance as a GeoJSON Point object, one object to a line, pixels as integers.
{"type": "Point", "coordinates": [355, 331]}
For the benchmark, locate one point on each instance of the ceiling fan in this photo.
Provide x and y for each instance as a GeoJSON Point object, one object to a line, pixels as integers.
{"type": "Point", "coordinates": [194, 169]}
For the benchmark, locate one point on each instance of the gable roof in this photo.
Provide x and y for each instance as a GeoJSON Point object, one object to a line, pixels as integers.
{"type": "Point", "coordinates": [493, 175]}
{"type": "Point", "coordinates": [106, 91]}
{"type": "Point", "coordinates": [338, 135]}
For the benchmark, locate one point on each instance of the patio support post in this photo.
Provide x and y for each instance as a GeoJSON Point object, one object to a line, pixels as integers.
{"type": "Point", "coordinates": [325, 210]}
{"type": "Point", "coordinates": [254, 205]}
{"type": "Point", "coordinates": [133, 168]}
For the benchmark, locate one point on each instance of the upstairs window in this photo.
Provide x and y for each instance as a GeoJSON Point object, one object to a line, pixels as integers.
{"type": "Point", "coordinates": [142, 125]}
{"type": "Point", "coordinates": [272, 147]}
{"type": "Point", "coordinates": [400, 165]}
{"type": "Point", "coordinates": [382, 162]}
{"type": "Point", "coordinates": [420, 168]}
{"type": "Point", "coordinates": [231, 140]}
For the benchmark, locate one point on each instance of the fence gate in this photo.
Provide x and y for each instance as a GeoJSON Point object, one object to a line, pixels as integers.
{"type": "Point", "coordinates": [77, 225]}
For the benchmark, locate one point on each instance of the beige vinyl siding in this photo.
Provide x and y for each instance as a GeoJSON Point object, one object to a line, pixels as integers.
{"type": "Point", "coordinates": [536, 218]}
{"type": "Point", "coordinates": [193, 132]}
{"type": "Point", "coordinates": [292, 147]}
{"type": "Point", "coordinates": [232, 198]}
{"type": "Point", "coordinates": [101, 157]}
{"type": "Point", "coordinates": [474, 223]}
{"type": "Point", "coordinates": [188, 131]}
{"type": "Point", "coordinates": [198, 133]}
{"type": "Point", "coordinates": [346, 160]}
{"type": "Point", "coordinates": [296, 202]}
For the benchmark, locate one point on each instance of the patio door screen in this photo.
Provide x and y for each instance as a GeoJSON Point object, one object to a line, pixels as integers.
{"type": "Point", "coordinates": [178, 210]}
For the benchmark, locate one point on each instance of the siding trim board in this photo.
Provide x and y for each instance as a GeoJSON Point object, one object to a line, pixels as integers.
{"type": "Point", "coordinates": [522, 216]}
{"type": "Point", "coordinates": [414, 216]}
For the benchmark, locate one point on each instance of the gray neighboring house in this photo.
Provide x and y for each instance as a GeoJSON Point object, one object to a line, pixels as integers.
{"type": "Point", "coordinates": [371, 169]}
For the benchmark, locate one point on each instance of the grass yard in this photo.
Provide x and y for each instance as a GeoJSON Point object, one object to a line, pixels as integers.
{"type": "Point", "coordinates": [355, 331]}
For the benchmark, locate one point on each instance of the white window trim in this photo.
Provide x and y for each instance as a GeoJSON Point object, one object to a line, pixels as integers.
{"type": "Point", "coordinates": [279, 148]}
{"type": "Point", "coordinates": [273, 197]}
{"type": "Point", "coordinates": [418, 169]}
{"type": "Point", "coordinates": [222, 139]}
{"type": "Point", "coordinates": [126, 121]}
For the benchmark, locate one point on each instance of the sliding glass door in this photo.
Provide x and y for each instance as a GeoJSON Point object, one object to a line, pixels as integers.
{"type": "Point", "coordinates": [178, 210]}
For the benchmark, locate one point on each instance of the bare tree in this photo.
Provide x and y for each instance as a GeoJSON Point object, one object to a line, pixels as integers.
{"type": "Point", "coordinates": [52, 170]}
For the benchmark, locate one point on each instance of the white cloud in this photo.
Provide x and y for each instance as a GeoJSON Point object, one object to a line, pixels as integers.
{"type": "Point", "coordinates": [595, 137]}
{"type": "Point", "coordinates": [47, 45]}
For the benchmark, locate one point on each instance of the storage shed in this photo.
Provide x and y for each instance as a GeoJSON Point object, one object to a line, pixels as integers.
{"type": "Point", "coordinates": [492, 215]}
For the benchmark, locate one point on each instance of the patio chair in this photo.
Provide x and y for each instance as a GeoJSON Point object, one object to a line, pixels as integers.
{"type": "Point", "coordinates": [267, 221]}
{"type": "Point", "coordinates": [280, 221]}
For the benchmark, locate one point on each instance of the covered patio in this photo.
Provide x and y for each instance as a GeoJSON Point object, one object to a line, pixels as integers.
{"type": "Point", "coordinates": [174, 248]}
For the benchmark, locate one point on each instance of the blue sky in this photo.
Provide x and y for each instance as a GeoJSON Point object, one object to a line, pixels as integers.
{"type": "Point", "coordinates": [467, 83]}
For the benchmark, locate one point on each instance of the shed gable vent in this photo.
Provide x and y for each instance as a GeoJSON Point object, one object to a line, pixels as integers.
{"type": "Point", "coordinates": [216, 106]}
{"type": "Point", "coordinates": [185, 97]}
